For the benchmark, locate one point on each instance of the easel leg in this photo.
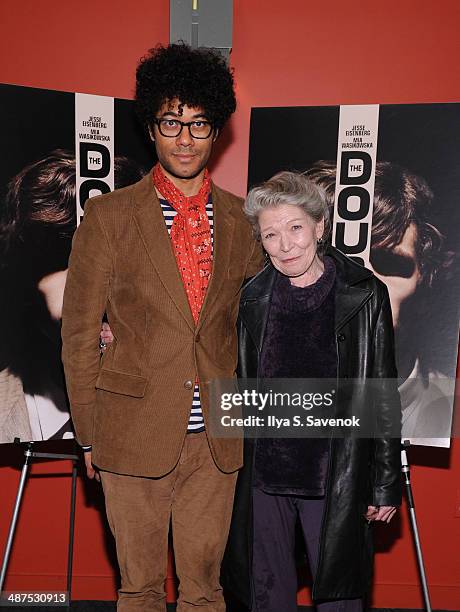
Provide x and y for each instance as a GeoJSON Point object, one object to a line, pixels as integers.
{"type": "Point", "coordinates": [413, 520]}
{"type": "Point", "coordinates": [9, 541]}
{"type": "Point", "coordinates": [71, 531]}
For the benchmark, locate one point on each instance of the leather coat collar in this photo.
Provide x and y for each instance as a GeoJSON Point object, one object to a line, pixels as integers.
{"type": "Point", "coordinates": [349, 296]}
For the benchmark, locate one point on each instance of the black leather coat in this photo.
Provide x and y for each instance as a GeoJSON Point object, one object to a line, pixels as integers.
{"type": "Point", "coordinates": [362, 472]}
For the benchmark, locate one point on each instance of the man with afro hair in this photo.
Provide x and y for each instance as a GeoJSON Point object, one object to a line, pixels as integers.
{"type": "Point", "coordinates": [165, 258]}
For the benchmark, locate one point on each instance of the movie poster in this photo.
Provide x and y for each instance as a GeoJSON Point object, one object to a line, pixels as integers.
{"type": "Point", "coordinates": [57, 149]}
{"type": "Point", "coordinates": [391, 176]}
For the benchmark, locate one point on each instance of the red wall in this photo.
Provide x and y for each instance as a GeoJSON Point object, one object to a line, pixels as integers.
{"type": "Point", "coordinates": [296, 53]}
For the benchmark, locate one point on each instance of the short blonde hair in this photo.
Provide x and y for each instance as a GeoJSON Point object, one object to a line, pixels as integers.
{"type": "Point", "coordinates": [293, 188]}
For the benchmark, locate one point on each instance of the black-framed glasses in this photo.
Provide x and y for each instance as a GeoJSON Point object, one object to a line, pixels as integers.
{"type": "Point", "coordinates": [171, 128]}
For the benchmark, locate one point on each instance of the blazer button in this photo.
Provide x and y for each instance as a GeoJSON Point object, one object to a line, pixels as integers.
{"type": "Point", "coordinates": [188, 384]}
{"type": "Point", "coordinates": [341, 337]}
{"type": "Point", "coordinates": [197, 337]}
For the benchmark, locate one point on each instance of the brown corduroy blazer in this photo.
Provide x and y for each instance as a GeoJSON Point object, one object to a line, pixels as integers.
{"type": "Point", "coordinates": [133, 405]}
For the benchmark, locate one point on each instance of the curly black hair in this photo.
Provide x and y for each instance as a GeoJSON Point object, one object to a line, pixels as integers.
{"type": "Point", "coordinates": [195, 77]}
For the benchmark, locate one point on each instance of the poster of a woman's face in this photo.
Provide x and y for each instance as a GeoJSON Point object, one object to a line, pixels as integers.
{"type": "Point", "coordinates": [414, 234]}
{"type": "Point", "coordinates": [37, 220]}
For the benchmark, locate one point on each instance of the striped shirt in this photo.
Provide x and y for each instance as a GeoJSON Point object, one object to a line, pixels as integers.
{"type": "Point", "coordinates": [196, 421]}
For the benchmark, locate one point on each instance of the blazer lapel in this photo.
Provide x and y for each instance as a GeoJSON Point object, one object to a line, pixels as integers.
{"type": "Point", "coordinates": [223, 231]}
{"type": "Point", "coordinates": [149, 219]}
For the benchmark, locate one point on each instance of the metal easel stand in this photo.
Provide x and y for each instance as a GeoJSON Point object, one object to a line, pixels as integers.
{"type": "Point", "coordinates": [29, 454]}
{"type": "Point", "coordinates": [411, 505]}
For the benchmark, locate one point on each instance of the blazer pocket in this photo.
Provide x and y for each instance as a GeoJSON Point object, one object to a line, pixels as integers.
{"type": "Point", "coordinates": [122, 383]}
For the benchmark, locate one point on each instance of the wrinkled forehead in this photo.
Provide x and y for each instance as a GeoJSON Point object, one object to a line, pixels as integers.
{"type": "Point", "coordinates": [282, 214]}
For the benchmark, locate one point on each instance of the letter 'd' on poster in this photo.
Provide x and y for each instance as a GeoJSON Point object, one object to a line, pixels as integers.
{"type": "Point", "coordinates": [354, 192]}
{"type": "Point", "coordinates": [94, 147]}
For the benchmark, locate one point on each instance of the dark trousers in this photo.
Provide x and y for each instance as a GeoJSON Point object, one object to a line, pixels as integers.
{"type": "Point", "coordinates": [274, 568]}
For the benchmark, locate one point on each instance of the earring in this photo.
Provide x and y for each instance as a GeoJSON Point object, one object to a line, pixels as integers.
{"type": "Point", "coordinates": [319, 241]}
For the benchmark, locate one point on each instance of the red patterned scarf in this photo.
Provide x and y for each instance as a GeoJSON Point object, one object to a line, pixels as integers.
{"type": "Point", "coordinates": [191, 237]}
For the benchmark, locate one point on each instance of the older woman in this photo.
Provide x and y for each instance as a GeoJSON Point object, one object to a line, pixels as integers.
{"type": "Point", "coordinates": [310, 313]}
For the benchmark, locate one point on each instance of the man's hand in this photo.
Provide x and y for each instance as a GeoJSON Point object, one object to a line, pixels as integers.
{"type": "Point", "coordinates": [105, 337]}
{"type": "Point", "coordinates": [380, 513]}
{"type": "Point", "coordinates": [90, 471]}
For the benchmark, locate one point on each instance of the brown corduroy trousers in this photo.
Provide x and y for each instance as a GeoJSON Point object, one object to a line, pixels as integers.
{"type": "Point", "coordinates": [197, 498]}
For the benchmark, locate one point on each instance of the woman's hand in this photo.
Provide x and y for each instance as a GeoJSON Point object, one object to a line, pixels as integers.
{"type": "Point", "coordinates": [380, 513]}
{"type": "Point", "coordinates": [91, 471]}
{"type": "Point", "coordinates": [105, 337]}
